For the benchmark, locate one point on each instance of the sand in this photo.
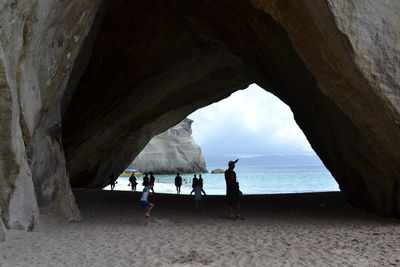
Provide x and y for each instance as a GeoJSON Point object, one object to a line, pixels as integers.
{"type": "Point", "coordinates": [279, 230]}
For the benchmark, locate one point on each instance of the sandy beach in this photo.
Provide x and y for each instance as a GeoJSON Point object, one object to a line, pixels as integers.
{"type": "Point", "coordinates": [318, 229]}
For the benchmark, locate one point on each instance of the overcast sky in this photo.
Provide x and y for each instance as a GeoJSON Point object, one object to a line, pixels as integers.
{"type": "Point", "coordinates": [248, 123]}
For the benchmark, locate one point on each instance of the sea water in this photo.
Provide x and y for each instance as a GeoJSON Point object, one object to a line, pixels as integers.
{"type": "Point", "coordinates": [252, 180]}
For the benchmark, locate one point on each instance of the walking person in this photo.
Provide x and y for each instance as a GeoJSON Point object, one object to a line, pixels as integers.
{"type": "Point", "coordinates": [232, 192]}
{"type": "Point", "coordinates": [198, 189]}
{"type": "Point", "coordinates": [200, 181]}
{"type": "Point", "coordinates": [146, 178]}
{"type": "Point", "coordinates": [194, 181]}
{"type": "Point", "coordinates": [178, 183]}
{"type": "Point", "coordinates": [113, 181]}
{"type": "Point", "coordinates": [133, 182]}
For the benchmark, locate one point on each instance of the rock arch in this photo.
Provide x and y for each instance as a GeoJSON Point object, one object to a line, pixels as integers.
{"type": "Point", "coordinates": [124, 71]}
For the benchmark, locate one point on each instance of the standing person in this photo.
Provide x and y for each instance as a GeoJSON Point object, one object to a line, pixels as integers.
{"type": "Point", "coordinates": [200, 181]}
{"type": "Point", "coordinates": [133, 182]}
{"type": "Point", "coordinates": [146, 178]}
{"type": "Point", "coordinates": [113, 181]}
{"type": "Point", "coordinates": [232, 191]}
{"type": "Point", "coordinates": [145, 198]}
{"type": "Point", "coordinates": [194, 181]}
{"type": "Point", "coordinates": [152, 180]}
{"type": "Point", "coordinates": [198, 189]}
{"type": "Point", "coordinates": [178, 183]}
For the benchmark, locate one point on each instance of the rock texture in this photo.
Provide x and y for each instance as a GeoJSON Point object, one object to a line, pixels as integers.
{"type": "Point", "coordinates": [351, 49]}
{"type": "Point", "coordinates": [2, 233]}
{"type": "Point", "coordinates": [318, 57]}
{"type": "Point", "coordinates": [84, 85]}
{"type": "Point", "coordinates": [172, 151]}
{"type": "Point", "coordinates": [39, 42]}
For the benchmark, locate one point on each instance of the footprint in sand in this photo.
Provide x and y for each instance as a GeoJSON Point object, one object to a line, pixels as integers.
{"type": "Point", "coordinates": [193, 257]}
{"type": "Point", "coordinates": [151, 220]}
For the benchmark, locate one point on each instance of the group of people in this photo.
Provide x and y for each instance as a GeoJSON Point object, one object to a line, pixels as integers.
{"type": "Point", "coordinates": [146, 180]}
{"type": "Point", "coordinates": [197, 189]}
{"type": "Point", "coordinates": [179, 181]}
{"type": "Point", "coordinates": [233, 192]}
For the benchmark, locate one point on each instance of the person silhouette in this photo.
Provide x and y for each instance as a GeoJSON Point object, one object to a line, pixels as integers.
{"type": "Point", "coordinates": [133, 182]}
{"type": "Point", "coordinates": [113, 181]}
{"type": "Point", "coordinates": [146, 178]}
{"type": "Point", "coordinates": [194, 181]}
{"type": "Point", "coordinates": [152, 181]}
{"type": "Point", "coordinates": [178, 183]}
{"type": "Point", "coordinates": [232, 191]}
{"type": "Point", "coordinates": [200, 181]}
{"type": "Point", "coordinates": [198, 189]}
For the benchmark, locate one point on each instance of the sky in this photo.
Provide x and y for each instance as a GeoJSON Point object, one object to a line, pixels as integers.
{"type": "Point", "coordinates": [251, 122]}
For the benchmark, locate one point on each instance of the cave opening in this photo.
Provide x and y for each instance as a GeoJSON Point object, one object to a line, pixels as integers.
{"type": "Point", "coordinates": [252, 125]}
{"type": "Point", "coordinates": [139, 81]}
{"type": "Point", "coordinates": [86, 84]}
{"type": "Point", "coordinates": [149, 70]}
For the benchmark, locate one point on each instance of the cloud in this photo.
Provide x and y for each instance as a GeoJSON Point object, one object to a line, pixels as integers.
{"type": "Point", "coordinates": [249, 122]}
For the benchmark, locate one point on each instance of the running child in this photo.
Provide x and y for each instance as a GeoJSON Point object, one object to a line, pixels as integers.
{"type": "Point", "coordinates": [145, 198]}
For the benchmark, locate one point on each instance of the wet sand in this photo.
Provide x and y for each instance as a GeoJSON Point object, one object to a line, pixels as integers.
{"type": "Point", "coordinates": [316, 229]}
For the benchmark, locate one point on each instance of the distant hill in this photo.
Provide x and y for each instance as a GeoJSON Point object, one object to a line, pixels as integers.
{"type": "Point", "coordinates": [270, 160]}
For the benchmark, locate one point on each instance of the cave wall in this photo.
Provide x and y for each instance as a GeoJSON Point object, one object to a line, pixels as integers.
{"type": "Point", "coordinates": [298, 50]}
{"type": "Point", "coordinates": [352, 50]}
{"type": "Point", "coordinates": [84, 85]}
{"type": "Point", "coordinates": [2, 231]}
{"type": "Point", "coordinates": [39, 41]}
{"type": "Point", "coordinates": [146, 51]}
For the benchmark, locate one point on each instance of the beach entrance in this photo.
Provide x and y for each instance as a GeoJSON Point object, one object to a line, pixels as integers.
{"type": "Point", "coordinates": [147, 71]}
{"type": "Point", "coordinates": [246, 125]}
{"type": "Point", "coordinates": [86, 84]}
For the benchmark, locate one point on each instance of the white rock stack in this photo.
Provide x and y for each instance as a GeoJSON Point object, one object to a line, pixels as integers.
{"type": "Point", "coordinates": [172, 151]}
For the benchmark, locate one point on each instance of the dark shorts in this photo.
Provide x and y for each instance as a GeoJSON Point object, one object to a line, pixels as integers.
{"type": "Point", "coordinates": [145, 203]}
{"type": "Point", "coordinates": [232, 198]}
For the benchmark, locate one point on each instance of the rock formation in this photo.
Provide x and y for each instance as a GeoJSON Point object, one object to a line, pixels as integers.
{"type": "Point", "coordinates": [2, 233]}
{"type": "Point", "coordinates": [172, 151]}
{"type": "Point", "coordinates": [85, 84]}
{"type": "Point", "coordinates": [39, 42]}
{"type": "Point", "coordinates": [217, 171]}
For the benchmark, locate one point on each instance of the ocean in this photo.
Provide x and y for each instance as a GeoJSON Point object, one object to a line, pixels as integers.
{"type": "Point", "coordinates": [252, 180]}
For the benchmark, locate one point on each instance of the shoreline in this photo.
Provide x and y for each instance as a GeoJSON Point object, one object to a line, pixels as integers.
{"type": "Point", "coordinates": [222, 195]}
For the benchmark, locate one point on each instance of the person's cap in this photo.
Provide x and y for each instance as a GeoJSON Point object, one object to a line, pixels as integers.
{"type": "Point", "coordinates": [232, 162]}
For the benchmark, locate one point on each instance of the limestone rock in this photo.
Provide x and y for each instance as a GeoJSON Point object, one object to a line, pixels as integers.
{"type": "Point", "coordinates": [325, 59]}
{"type": "Point", "coordinates": [2, 233]}
{"type": "Point", "coordinates": [217, 171]}
{"type": "Point", "coordinates": [172, 151]}
{"type": "Point", "coordinates": [39, 41]}
{"type": "Point", "coordinates": [351, 49]}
